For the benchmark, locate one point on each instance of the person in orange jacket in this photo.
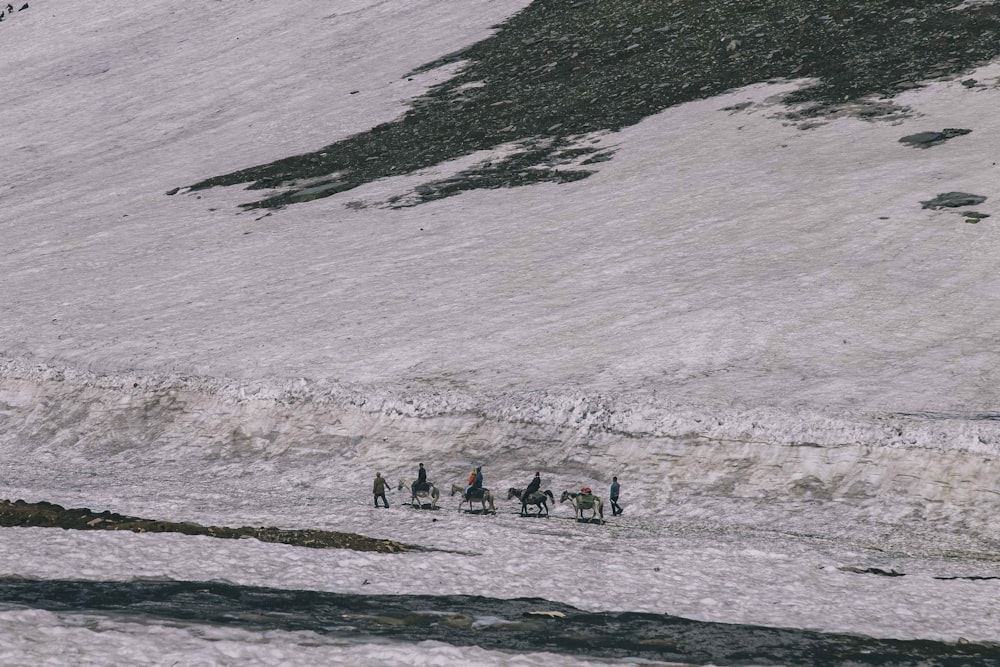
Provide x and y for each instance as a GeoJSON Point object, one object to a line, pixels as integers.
{"type": "Point", "coordinates": [469, 483]}
{"type": "Point", "coordinates": [475, 482]}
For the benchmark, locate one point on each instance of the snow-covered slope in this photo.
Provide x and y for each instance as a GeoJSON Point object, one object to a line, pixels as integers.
{"type": "Point", "coordinates": [750, 319]}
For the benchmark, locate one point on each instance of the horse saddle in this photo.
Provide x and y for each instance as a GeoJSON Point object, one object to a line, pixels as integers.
{"type": "Point", "coordinates": [477, 494]}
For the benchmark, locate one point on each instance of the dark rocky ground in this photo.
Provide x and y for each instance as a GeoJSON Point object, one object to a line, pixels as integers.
{"type": "Point", "coordinates": [520, 625]}
{"type": "Point", "coordinates": [46, 515]}
{"type": "Point", "coordinates": [561, 69]}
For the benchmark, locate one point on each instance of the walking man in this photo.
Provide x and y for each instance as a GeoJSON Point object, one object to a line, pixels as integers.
{"type": "Point", "coordinates": [615, 492]}
{"type": "Point", "coordinates": [378, 489]}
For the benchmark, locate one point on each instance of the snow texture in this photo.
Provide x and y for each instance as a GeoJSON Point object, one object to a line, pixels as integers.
{"type": "Point", "coordinates": [790, 364]}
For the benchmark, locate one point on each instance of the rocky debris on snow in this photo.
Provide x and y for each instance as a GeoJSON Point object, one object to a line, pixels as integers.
{"type": "Point", "coordinates": [47, 515]}
{"type": "Point", "coordinates": [566, 70]}
{"type": "Point", "coordinates": [928, 139]}
{"type": "Point", "coordinates": [871, 570]}
{"type": "Point", "coordinates": [521, 168]}
{"type": "Point", "coordinates": [974, 216]}
{"type": "Point", "coordinates": [522, 628]}
{"type": "Point", "coordinates": [953, 200]}
{"type": "Point", "coordinates": [893, 572]}
{"type": "Point", "coordinates": [8, 11]}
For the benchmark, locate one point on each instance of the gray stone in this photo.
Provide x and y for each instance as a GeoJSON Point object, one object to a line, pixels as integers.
{"type": "Point", "coordinates": [928, 139]}
{"type": "Point", "coordinates": [953, 200]}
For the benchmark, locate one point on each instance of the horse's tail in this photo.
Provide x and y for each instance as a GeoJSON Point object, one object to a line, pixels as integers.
{"type": "Point", "coordinates": [549, 494]}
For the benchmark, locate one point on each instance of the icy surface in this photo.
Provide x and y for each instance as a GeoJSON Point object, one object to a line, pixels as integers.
{"type": "Point", "coordinates": [788, 362]}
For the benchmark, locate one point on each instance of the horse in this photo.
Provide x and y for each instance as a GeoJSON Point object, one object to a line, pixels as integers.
{"type": "Point", "coordinates": [536, 498]}
{"type": "Point", "coordinates": [486, 497]}
{"type": "Point", "coordinates": [430, 492]}
{"type": "Point", "coordinates": [584, 501]}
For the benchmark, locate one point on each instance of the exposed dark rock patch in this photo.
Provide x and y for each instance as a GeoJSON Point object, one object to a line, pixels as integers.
{"type": "Point", "coordinates": [953, 200]}
{"type": "Point", "coordinates": [871, 570]}
{"type": "Point", "coordinates": [892, 572]}
{"type": "Point", "coordinates": [7, 11]}
{"type": "Point", "coordinates": [47, 515]}
{"type": "Point", "coordinates": [561, 70]}
{"type": "Point", "coordinates": [520, 625]}
{"type": "Point", "coordinates": [928, 139]}
{"type": "Point", "coordinates": [974, 216]}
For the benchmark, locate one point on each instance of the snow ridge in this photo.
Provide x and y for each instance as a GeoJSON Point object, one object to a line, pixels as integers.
{"type": "Point", "coordinates": [636, 415]}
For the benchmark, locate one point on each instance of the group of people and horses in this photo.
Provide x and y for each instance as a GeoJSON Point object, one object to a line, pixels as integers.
{"type": "Point", "coordinates": [421, 490]}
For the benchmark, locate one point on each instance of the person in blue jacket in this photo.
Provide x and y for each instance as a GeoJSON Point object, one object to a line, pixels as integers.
{"type": "Point", "coordinates": [615, 492]}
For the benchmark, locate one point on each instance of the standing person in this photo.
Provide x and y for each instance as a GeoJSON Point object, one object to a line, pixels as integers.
{"type": "Point", "coordinates": [534, 485]}
{"type": "Point", "coordinates": [421, 484]}
{"type": "Point", "coordinates": [378, 489]}
{"type": "Point", "coordinates": [615, 492]}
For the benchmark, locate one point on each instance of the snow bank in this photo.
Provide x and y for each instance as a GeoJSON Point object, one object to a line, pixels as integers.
{"type": "Point", "coordinates": [304, 431]}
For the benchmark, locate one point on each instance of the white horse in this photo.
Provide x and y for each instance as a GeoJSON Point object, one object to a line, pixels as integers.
{"type": "Point", "coordinates": [584, 501]}
{"type": "Point", "coordinates": [486, 497]}
{"type": "Point", "coordinates": [415, 496]}
{"type": "Point", "coordinates": [537, 498]}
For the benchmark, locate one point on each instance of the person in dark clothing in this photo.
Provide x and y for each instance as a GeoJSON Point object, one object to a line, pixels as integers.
{"type": "Point", "coordinates": [534, 485]}
{"type": "Point", "coordinates": [615, 492]}
{"type": "Point", "coordinates": [378, 489]}
{"type": "Point", "coordinates": [421, 483]}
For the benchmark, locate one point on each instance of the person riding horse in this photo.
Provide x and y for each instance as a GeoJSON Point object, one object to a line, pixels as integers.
{"type": "Point", "coordinates": [476, 486]}
{"type": "Point", "coordinates": [421, 483]}
{"type": "Point", "coordinates": [534, 485]}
